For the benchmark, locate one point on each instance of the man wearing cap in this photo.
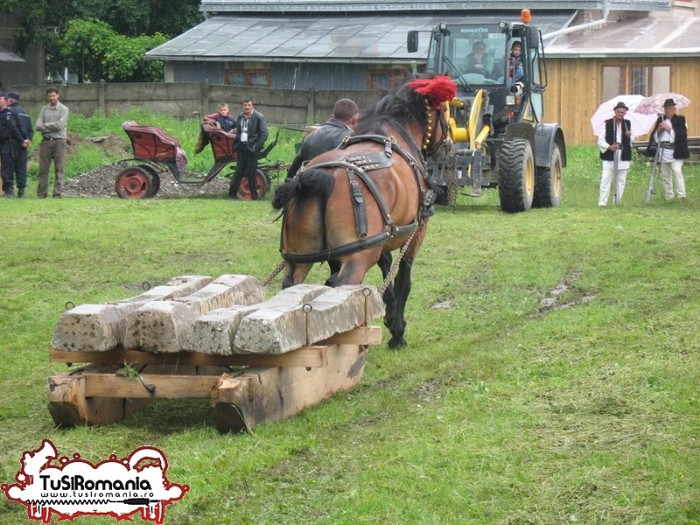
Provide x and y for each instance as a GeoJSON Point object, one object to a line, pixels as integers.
{"type": "Point", "coordinates": [52, 122]}
{"type": "Point", "coordinates": [4, 132]}
{"type": "Point", "coordinates": [615, 146]}
{"type": "Point", "coordinates": [14, 154]}
{"type": "Point", "coordinates": [8, 129]}
{"type": "Point", "coordinates": [671, 134]}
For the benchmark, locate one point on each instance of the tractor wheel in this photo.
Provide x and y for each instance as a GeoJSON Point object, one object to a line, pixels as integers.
{"type": "Point", "coordinates": [442, 198]}
{"type": "Point", "coordinates": [516, 176]}
{"type": "Point", "coordinates": [262, 185]}
{"type": "Point", "coordinates": [548, 183]}
{"type": "Point", "coordinates": [136, 182]}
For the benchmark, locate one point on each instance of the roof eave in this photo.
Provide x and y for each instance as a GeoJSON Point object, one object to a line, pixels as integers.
{"type": "Point", "coordinates": [290, 60]}
{"type": "Point", "coordinates": [604, 53]}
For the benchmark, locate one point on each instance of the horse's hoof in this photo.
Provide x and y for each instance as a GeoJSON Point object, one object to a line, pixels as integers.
{"type": "Point", "coordinates": [396, 343]}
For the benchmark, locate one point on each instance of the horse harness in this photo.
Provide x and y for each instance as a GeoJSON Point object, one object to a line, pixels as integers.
{"type": "Point", "coordinates": [356, 168]}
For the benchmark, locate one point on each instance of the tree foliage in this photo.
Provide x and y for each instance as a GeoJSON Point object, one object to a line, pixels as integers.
{"type": "Point", "coordinates": [147, 22]}
{"type": "Point", "coordinates": [97, 52]}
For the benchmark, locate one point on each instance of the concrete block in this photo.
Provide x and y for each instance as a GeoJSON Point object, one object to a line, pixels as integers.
{"type": "Point", "coordinates": [166, 326]}
{"type": "Point", "coordinates": [342, 309]}
{"type": "Point", "coordinates": [102, 327]}
{"type": "Point", "coordinates": [279, 324]}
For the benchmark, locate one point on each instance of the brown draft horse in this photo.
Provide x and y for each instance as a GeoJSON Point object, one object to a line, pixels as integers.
{"type": "Point", "coordinates": [354, 205]}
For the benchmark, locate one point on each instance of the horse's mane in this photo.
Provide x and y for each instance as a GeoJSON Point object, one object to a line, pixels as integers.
{"type": "Point", "coordinates": [396, 109]}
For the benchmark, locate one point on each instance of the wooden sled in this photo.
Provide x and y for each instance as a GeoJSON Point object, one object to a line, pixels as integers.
{"type": "Point", "coordinates": [244, 389]}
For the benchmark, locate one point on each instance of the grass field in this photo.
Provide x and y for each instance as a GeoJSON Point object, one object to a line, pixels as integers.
{"type": "Point", "coordinates": [551, 376]}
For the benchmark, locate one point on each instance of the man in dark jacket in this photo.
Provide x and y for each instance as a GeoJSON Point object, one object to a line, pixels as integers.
{"type": "Point", "coordinates": [5, 122]}
{"type": "Point", "coordinates": [251, 129]}
{"type": "Point", "coordinates": [327, 137]}
{"type": "Point", "coordinates": [671, 134]}
{"type": "Point", "coordinates": [14, 148]}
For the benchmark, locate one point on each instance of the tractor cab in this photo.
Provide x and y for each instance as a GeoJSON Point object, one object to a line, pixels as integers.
{"type": "Point", "coordinates": [479, 57]}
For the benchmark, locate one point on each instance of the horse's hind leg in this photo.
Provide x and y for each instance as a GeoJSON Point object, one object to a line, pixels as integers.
{"type": "Point", "coordinates": [402, 288]}
{"type": "Point", "coordinates": [295, 274]}
{"type": "Point", "coordinates": [389, 297]}
{"type": "Point", "coordinates": [334, 267]}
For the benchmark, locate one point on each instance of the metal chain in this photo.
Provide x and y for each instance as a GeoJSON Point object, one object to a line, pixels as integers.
{"type": "Point", "coordinates": [397, 261]}
{"type": "Point", "coordinates": [452, 188]}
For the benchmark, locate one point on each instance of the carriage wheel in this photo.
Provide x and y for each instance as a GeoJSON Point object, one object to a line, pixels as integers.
{"type": "Point", "coordinates": [516, 175]}
{"type": "Point", "coordinates": [155, 185]}
{"type": "Point", "coordinates": [135, 182]}
{"type": "Point", "coordinates": [262, 181]}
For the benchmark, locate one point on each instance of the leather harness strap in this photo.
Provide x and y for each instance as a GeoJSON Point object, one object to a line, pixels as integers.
{"type": "Point", "coordinates": [358, 166]}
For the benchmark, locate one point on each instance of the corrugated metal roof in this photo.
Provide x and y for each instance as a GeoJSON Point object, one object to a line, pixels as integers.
{"type": "Point", "coordinates": [380, 39]}
{"type": "Point", "coordinates": [369, 6]}
{"type": "Point", "coordinates": [654, 36]}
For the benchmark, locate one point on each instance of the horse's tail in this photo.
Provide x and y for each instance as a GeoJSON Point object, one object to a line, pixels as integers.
{"type": "Point", "coordinates": [311, 183]}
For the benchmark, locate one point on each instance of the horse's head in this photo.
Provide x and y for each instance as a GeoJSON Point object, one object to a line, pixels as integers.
{"type": "Point", "coordinates": [436, 140]}
{"type": "Point", "coordinates": [436, 92]}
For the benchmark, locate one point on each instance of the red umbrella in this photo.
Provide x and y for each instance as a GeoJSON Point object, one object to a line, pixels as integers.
{"type": "Point", "coordinates": [655, 104]}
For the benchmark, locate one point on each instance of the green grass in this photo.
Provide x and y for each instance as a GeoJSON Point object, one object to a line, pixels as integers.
{"type": "Point", "coordinates": [513, 404]}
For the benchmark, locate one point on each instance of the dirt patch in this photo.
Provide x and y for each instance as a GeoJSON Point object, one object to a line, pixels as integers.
{"type": "Point", "coordinates": [101, 181]}
{"type": "Point", "coordinates": [564, 295]}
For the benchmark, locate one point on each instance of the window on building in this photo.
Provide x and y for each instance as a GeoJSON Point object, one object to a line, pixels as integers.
{"type": "Point", "coordinates": [387, 78]}
{"type": "Point", "coordinates": [635, 79]}
{"type": "Point", "coordinates": [242, 75]}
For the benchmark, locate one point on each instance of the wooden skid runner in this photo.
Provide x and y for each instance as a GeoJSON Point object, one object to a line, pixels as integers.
{"type": "Point", "coordinates": [265, 388]}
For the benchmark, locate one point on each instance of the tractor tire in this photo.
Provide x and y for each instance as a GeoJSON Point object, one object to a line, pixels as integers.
{"type": "Point", "coordinates": [548, 182]}
{"type": "Point", "coordinates": [516, 176]}
{"type": "Point", "coordinates": [136, 182]}
{"type": "Point", "coordinates": [441, 197]}
{"type": "Point", "coordinates": [446, 194]}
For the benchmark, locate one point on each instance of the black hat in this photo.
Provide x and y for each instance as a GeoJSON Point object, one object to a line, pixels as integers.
{"type": "Point", "coordinates": [621, 105]}
{"type": "Point", "coordinates": [12, 94]}
{"type": "Point", "coordinates": [669, 102]}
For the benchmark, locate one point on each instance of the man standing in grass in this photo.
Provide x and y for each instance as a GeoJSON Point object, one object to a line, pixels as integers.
{"type": "Point", "coordinates": [671, 133]}
{"type": "Point", "coordinates": [14, 154]}
{"type": "Point", "coordinates": [251, 129]}
{"type": "Point", "coordinates": [52, 122]}
{"type": "Point", "coordinates": [4, 133]}
{"type": "Point", "coordinates": [615, 144]}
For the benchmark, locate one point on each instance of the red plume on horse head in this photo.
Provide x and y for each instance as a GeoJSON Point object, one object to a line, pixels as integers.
{"type": "Point", "coordinates": [439, 88]}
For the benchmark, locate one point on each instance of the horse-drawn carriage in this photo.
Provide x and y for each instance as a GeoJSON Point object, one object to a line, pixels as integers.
{"type": "Point", "coordinates": [157, 153]}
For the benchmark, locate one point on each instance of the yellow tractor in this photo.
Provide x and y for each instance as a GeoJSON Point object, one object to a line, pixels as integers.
{"type": "Point", "coordinates": [496, 118]}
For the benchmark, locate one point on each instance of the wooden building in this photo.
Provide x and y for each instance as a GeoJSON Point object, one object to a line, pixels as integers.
{"type": "Point", "coordinates": [595, 49]}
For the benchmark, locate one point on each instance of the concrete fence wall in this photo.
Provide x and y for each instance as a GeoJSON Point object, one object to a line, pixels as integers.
{"type": "Point", "coordinates": [280, 106]}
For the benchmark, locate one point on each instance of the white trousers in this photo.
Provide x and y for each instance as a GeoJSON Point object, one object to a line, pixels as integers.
{"type": "Point", "coordinates": [673, 170]}
{"type": "Point", "coordinates": [606, 182]}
